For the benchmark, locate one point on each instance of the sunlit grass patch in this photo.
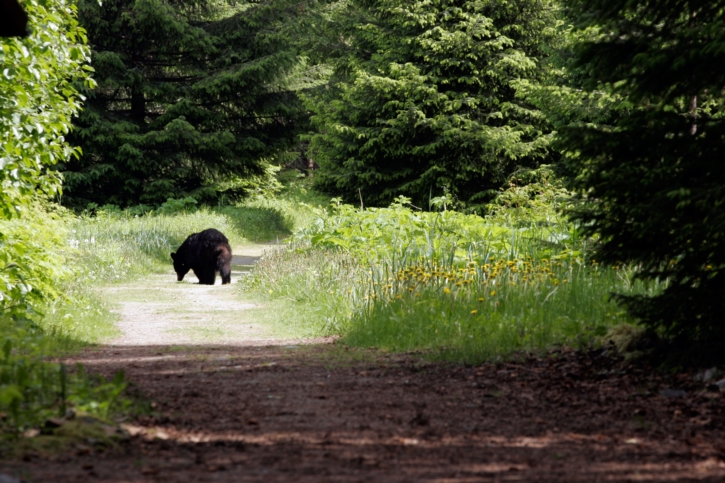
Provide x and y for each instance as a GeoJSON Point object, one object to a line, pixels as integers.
{"type": "Point", "coordinates": [457, 286]}
{"type": "Point", "coordinates": [116, 246]}
{"type": "Point", "coordinates": [84, 319]}
{"type": "Point", "coordinates": [483, 311]}
{"type": "Point", "coordinates": [265, 220]}
{"type": "Point", "coordinates": [315, 285]}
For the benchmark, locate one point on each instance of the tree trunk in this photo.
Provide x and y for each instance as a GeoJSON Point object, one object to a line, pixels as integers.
{"type": "Point", "coordinates": [138, 105]}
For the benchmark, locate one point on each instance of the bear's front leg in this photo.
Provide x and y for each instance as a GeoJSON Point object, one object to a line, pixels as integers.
{"type": "Point", "coordinates": [205, 276]}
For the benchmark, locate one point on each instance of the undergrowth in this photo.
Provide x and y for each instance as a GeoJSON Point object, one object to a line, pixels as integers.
{"type": "Point", "coordinates": [45, 312]}
{"type": "Point", "coordinates": [460, 287]}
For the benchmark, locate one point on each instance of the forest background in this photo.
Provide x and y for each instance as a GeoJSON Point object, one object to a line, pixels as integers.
{"type": "Point", "coordinates": [528, 172]}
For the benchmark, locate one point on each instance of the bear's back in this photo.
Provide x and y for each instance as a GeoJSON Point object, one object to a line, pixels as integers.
{"type": "Point", "coordinates": [212, 236]}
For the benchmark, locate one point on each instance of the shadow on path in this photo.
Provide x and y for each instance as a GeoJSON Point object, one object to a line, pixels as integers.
{"type": "Point", "coordinates": [324, 413]}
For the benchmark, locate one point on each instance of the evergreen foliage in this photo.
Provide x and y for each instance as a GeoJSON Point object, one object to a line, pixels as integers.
{"type": "Point", "coordinates": [423, 99]}
{"type": "Point", "coordinates": [189, 93]}
{"type": "Point", "coordinates": [652, 181]}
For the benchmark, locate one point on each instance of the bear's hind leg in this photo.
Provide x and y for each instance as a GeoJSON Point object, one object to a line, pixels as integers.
{"type": "Point", "coordinates": [224, 262]}
{"type": "Point", "coordinates": [226, 274]}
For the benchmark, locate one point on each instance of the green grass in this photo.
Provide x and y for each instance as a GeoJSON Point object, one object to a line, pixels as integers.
{"type": "Point", "coordinates": [80, 319]}
{"type": "Point", "coordinates": [46, 311]}
{"type": "Point", "coordinates": [488, 310]}
{"type": "Point", "coordinates": [458, 287]}
{"type": "Point", "coordinates": [32, 389]}
{"type": "Point", "coordinates": [306, 287]}
{"type": "Point", "coordinates": [261, 219]}
{"type": "Point", "coordinates": [119, 246]}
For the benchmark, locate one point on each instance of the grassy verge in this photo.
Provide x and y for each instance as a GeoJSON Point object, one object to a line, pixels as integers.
{"type": "Point", "coordinates": [264, 219]}
{"type": "Point", "coordinates": [115, 246]}
{"type": "Point", "coordinates": [45, 311]}
{"type": "Point", "coordinates": [308, 285]}
{"type": "Point", "coordinates": [459, 287]}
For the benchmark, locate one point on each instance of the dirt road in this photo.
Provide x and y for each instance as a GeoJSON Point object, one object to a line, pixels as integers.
{"type": "Point", "coordinates": [231, 404]}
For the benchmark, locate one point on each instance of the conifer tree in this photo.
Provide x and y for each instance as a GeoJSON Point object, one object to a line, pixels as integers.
{"type": "Point", "coordinates": [424, 100]}
{"type": "Point", "coordinates": [188, 93]}
{"type": "Point", "coordinates": [652, 181]}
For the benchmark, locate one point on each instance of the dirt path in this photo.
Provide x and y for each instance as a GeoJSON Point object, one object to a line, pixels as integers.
{"type": "Point", "coordinates": [231, 405]}
{"type": "Point", "coordinates": [160, 311]}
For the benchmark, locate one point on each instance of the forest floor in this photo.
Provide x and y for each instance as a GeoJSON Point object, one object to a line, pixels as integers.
{"type": "Point", "coordinates": [232, 403]}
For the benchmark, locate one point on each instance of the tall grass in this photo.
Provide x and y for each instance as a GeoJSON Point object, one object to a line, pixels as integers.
{"type": "Point", "coordinates": [114, 246]}
{"type": "Point", "coordinates": [263, 219]}
{"type": "Point", "coordinates": [47, 314]}
{"type": "Point", "coordinates": [33, 389]}
{"type": "Point", "coordinates": [315, 280]}
{"type": "Point", "coordinates": [460, 287]}
{"type": "Point", "coordinates": [489, 309]}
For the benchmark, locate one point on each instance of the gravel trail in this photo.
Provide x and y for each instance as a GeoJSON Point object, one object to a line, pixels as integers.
{"type": "Point", "coordinates": [159, 311]}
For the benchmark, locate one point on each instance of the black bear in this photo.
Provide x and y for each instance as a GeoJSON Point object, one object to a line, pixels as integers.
{"type": "Point", "coordinates": [206, 253]}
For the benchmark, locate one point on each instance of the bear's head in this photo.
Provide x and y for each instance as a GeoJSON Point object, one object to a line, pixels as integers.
{"type": "Point", "coordinates": [180, 266]}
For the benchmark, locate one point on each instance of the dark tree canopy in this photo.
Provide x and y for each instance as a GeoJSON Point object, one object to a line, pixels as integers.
{"type": "Point", "coordinates": [186, 96]}
{"type": "Point", "coordinates": [653, 180]}
{"type": "Point", "coordinates": [424, 99]}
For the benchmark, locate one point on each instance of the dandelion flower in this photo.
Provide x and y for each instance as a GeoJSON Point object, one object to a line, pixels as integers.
{"type": "Point", "coordinates": [481, 299]}
{"type": "Point", "coordinates": [474, 312]}
{"type": "Point", "coordinates": [446, 290]}
{"type": "Point", "coordinates": [493, 293]}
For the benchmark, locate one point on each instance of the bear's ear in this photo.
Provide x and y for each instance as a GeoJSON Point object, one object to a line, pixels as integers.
{"type": "Point", "coordinates": [173, 256]}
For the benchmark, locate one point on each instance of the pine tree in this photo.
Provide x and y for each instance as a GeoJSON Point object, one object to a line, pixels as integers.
{"type": "Point", "coordinates": [652, 181]}
{"type": "Point", "coordinates": [188, 94]}
{"type": "Point", "coordinates": [424, 99]}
